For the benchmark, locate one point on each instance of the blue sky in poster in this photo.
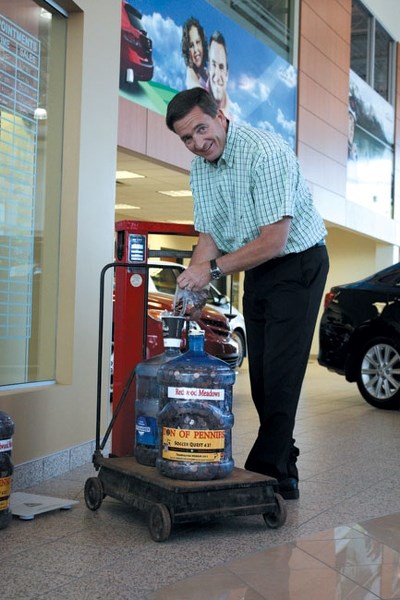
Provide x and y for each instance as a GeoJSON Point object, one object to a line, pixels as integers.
{"type": "Point", "coordinates": [262, 86]}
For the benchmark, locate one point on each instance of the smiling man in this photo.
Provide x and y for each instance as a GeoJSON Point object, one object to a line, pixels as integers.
{"type": "Point", "coordinates": [254, 213]}
{"type": "Point", "coordinates": [218, 71]}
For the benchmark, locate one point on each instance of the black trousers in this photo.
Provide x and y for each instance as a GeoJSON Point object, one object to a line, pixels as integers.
{"type": "Point", "coordinates": [280, 304]}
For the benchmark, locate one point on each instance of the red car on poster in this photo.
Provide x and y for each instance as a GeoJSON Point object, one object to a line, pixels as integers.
{"type": "Point", "coordinates": [136, 63]}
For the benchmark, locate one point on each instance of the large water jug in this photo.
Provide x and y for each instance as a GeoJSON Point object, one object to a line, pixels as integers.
{"type": "Point", "coordinates": [195, 420]}
{"type": "Point", "coordinates": [147, 404]}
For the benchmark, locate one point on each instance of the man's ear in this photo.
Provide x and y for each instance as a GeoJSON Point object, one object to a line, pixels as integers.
{"type": "Point", "coordinates": [221, 117]}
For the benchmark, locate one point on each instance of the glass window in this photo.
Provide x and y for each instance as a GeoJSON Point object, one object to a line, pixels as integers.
{"type": "Point", "coordinates": [371, 114]}
{"type": "Point", "coordinates": [164, 279]}
{"type": "Point", "coordinates": [359, 41]}
{"type": "Point", "coordinates": [382, 58]}
{"type": "Point", "coordinates": [32, 68]}
{"type": "Point", "coordinates": [372, 52]}
{"type": "Point", "coordinates": [273, 20]}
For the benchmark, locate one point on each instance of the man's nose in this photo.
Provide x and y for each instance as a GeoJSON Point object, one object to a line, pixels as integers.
{"type": "Point", "coordinates": [198, 141]}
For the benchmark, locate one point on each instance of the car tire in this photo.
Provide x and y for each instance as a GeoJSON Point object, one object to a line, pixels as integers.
{"type": "Point", "coordinates": [378, 377]}
{"type": "Point", "coordinates": [239, 339]}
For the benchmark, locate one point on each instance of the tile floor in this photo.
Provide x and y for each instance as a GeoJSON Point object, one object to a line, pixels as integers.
{"type": "Point", "coordinates": [341, 540]}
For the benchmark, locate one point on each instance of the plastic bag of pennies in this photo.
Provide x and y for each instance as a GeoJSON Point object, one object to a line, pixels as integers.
{"type": "Point", "coordinates": [189, 303]}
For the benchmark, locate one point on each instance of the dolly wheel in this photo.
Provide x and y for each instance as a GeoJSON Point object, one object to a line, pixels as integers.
{"type": "Point", "coordinates": [94, 493]}
{"type": "Point", "coordinates": [159, 522]}
{"type": "Point", "coordinates": [278, 517]}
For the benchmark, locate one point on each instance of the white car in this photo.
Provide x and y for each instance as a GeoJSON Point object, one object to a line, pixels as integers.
{"type": "Point", "coordinates": [162, 278]}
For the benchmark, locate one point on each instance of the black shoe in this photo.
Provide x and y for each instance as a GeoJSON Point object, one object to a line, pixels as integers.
{"type": "Point", "coordinates": [289, 488]}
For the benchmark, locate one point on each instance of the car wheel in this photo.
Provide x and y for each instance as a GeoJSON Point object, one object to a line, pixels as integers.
{"type": "Point", "coordinates": [239, 339]}
{"type": "Point", "coordinates": [378, 377]}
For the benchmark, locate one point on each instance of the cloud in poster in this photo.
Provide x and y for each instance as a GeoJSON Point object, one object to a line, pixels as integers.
{"type": "Point", "coordinates": [373, 112]}
{"type": "Point", "coordinates": [288, 76]}
{"type": "Point", "coordinates": [288, 126]}
{"type": "Point", "coordinates": [255, 87]}
{"type": "Point", "coordinates": [165, 34]}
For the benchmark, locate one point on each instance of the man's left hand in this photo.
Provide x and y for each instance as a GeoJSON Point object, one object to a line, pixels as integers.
{"type": "Point", "coordinates": [196, 277]}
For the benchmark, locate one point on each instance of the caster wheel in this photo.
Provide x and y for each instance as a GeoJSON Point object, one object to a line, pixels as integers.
{"type": "Point", "coordinates": [159, 522]}
{"type": "Point", "coordinates": [94, 493]}
{"type": "Point", "coordinates": [278, 517]}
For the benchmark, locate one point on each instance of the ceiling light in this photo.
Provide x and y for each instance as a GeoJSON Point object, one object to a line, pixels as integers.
{"type": "Point", "coordinates": [128, 175]}
{"type": "Point", "coordinates": [178, 193]}
{"type": "Point", "coordinates": [180, 221]}
{"type": "Point", "coordinates": [40, 114]}
{"type": "Point", "coordinates": [45, 14]}
{"type": "Point", "coordinates": [126, 207]}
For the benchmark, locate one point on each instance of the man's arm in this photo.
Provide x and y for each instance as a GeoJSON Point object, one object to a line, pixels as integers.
{"type": "Point", "coordinates": [205, 249]}
{"type": "Point", "coordinates": [269, 244]}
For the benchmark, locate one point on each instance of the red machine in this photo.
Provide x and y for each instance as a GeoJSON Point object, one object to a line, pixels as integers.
{"type": "Point", "coordinates": [130, 316]}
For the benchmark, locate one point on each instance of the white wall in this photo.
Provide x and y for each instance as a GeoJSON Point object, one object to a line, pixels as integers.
{"type": "Point", "coordinates": [63, 415]}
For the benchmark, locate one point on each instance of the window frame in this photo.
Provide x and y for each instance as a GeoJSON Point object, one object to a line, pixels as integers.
{"type": "Point", "coordinates": [370, 57]}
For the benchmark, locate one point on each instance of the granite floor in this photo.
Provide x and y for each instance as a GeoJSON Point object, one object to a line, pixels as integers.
{"type": "Point", "coordinates": [341, 539]}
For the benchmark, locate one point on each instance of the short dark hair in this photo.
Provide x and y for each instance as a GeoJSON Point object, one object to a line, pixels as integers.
{"type": "Point", "coordinates": [185, 101]}
{"type": "Point", "coordinates": [218, 38]}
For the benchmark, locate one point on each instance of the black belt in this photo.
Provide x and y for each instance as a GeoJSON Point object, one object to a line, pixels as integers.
{"type": "Point", "coordinates": [319, 244]}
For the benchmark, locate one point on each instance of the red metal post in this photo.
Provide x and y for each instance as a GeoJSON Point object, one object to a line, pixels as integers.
{"type": "Point", "coordinates": [130, 315]}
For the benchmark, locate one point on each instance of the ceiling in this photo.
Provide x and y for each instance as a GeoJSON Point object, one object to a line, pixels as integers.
{"type": "Point", "coordinates": [145, 194]}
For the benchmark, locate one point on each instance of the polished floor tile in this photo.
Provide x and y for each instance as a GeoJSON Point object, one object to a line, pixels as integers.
{"type": "Point", "coordinates": [341, 539]}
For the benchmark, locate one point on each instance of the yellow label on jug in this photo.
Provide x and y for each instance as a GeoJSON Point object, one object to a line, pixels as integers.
{"type": "Point", "coordinates": [194, 445]}
{"type": "Point", "coordinates": [5, 487]}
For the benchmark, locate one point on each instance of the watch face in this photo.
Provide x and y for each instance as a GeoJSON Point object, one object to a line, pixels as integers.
{"type": "Point", "coordinates": [215, 271]}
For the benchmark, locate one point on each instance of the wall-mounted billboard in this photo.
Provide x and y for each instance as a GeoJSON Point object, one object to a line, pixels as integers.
{"type": "Point", "coordinates": [370, 148]}
{"type": "Point", "coordinates": [170, 45]}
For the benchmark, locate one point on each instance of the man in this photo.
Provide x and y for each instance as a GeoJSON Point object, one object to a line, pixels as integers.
{"type": "Point", "coordinates": [254, 213]}
{"type": "Point", "coordinates": [218, 71]}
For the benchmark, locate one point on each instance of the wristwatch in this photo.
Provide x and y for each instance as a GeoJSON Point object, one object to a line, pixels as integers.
{"type": "Point", "coordinates": [215, 271]}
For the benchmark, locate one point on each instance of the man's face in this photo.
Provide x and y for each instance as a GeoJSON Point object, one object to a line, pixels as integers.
{"type": "Point", "coordinates": [218, 70]}
{"type": "Point", "coordinates": [203, 135]}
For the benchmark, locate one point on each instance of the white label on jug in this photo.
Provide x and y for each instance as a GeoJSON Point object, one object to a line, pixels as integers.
{"type": "Point", "coordinates": [5, 445]}
{"type": "Point", "coordinates": [190, 393]}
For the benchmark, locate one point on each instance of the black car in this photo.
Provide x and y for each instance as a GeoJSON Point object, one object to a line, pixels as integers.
{"type": "Point", "coordinates": [359, 335]}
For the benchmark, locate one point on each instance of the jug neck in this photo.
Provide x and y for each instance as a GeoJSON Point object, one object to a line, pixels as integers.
{"type": "Point", "coordinates": [196, 342]}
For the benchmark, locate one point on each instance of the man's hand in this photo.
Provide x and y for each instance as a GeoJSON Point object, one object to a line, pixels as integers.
{"type": "Point", "coordinates": [196, 277]}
